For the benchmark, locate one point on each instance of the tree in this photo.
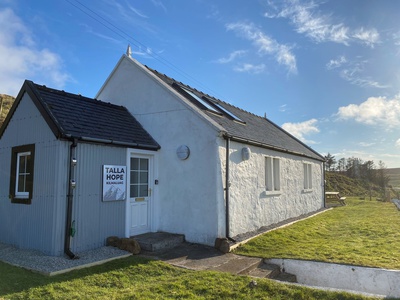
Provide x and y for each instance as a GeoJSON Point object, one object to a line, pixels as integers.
{"type": "Point", "coordinates": [367, 171]}
{"type": "Point", "coordinates": [341, 165]}
{"type": "Point", "coordinates": [330, 162]}
{"type": "Point", "coordinates": [353, 167]}
{"type": "Point", "coordinates": [382, 176]}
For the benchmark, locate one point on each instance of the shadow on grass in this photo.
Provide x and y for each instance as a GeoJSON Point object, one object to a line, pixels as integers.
{"type": "Point", "coordinates": [14, 279]}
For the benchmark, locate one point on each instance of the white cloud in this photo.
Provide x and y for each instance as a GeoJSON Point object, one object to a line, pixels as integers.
{"type": "Point", "coordinates": [367, 37]}
{"type": "Point", "coordinates": [231, 57]}
{"type": "Point", "coordinates": [319, 27]}
{"type": "Point", "coordinates": [353, 75]}
{"type": "Point", "coordinates": [249, 68]}
{"type": "Point", "coordinates": [159, 4]}
{"type": "Point", "coordinates": [283, 108]}
{"type": "Point", "coordinates": [300, 130]}
{"type": "Point", "coordinates": [316, 26]}
{"type": "Point", "coordinates": [136, 11]}
{"type": "Point", "coordinates": [353, 72]}
{"type": "Point", "coordinates": [21, 58]}
{"type": "Point", "coordinates": [374, 111]}
{"type": "Point", "coordinates": [397, 144]}
{"type": "Point", "coordinates": [365, 144]}
{"type": "Point", "coordinates": [265, 44]}
{"type": "Point", "coordinates": [336, 63]}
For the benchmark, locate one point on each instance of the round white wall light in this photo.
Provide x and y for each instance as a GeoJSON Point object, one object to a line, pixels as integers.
{"type": "Point", "coordinates": [183, 152]}
{"type": "Point", "coordinates": [246, 153]}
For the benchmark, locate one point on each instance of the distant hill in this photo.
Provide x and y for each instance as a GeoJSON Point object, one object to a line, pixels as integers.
{"type": "Point", "coordinates": [7, 103]}
{"type": "Point", "coordinates": [347, 186]}
{"type": "Point", "coordinates": [394, 175]}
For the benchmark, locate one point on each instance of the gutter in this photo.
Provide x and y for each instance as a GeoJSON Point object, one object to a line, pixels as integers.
{"type": "Point", "coordinates": [266, 146]}
{"type": "Point", "coordinates": [70, 198]}
{"type": "Point", "coordinates": [112, 142]}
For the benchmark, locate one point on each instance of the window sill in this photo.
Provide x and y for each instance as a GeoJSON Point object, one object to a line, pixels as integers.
{"type": "Point", "coordinates": [308, 190]}
{"type": "Point", "coordinates": [272, 193]}
{"type": "Point", "coordinates": [20, 200]}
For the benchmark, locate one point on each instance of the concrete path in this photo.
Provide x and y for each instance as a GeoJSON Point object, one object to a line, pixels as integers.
{"type": "Point", "coordinates": [200, 257]}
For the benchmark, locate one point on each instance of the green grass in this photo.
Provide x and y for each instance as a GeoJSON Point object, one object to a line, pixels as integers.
{"type": "Point", "coordinates": [138, 278]}
{"type": "Point", "coordinates": [365, 233]}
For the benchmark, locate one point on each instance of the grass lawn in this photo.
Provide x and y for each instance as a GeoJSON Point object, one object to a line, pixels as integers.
{"type": "Point", "coordinates": [138, 278]}
{"type": "Point", "coordinates": [362, 233]}
{"type": "Point", "coordinates": [365, 233]}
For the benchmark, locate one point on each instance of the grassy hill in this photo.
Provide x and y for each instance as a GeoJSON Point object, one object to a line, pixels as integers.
{"type": "Point", "coordinates": [394, 174]}
{"type": "Point", "coordinates": [346, 186]}
{"type": "Point", "coordinates": [7, 103]}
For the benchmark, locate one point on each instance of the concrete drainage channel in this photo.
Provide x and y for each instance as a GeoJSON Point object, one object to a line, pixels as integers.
{"type": "Point", "coordinates": [352, 278]}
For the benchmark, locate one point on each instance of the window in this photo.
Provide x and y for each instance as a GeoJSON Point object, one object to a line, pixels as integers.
{"type": "Point", "coordinates": [139, 185]}
{"type": "Point", "coordinates": [21, 175]}
{"type": "Point", "coordinates": [307, 176]}
{"type": "Point", "coordinates": [228, 113]}
{"type": "Point", "coordinates": [202, 101]}
{"type": "Point", "coordinates": [272, 174]}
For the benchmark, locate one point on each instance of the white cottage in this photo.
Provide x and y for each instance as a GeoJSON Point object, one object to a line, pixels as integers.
{"type": "Point", "coordinates": [153, 155]}
{"type": "Point", "coordinates": [221, 171]}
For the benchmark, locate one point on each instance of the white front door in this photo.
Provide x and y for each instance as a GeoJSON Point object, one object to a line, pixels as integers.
{"type": "Point", "coordinates": [140, 191]}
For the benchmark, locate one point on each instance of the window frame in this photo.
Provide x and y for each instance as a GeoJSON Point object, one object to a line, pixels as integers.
{"type": "Point", "coordinates": [272, 175]}
{"type": "Point", "coordinates": [307, 177]}
{"type": "Point", "coordinates": [136, 186]}
{"type": "Point", "coordinates": [17, 152]}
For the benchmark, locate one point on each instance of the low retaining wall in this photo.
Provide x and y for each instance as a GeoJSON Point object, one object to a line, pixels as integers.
{"type": "Point", "coordinates": [360, 279]}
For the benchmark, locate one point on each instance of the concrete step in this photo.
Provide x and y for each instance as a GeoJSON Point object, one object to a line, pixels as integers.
{"type": "Point", "coordinates": [157, 241]}
{"type": "Point", "coordinates": [238, 265]}
{"type": "Point", "coordinates": [266, 271]}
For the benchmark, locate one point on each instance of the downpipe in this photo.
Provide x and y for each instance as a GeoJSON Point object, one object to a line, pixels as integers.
{"type": "Point", "coordinates": [70, 198]}
{"type": "Point", "coordinates": [227, 186]}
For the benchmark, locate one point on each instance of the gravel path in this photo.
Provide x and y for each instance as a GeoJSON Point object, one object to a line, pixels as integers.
{"type": "Point", "coordinates": [52, 265]}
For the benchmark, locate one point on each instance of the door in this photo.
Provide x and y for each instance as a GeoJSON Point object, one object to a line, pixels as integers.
{"type": "Point", "coordinates": [140, 194]}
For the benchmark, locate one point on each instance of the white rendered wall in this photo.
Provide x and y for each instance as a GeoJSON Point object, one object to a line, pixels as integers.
{"type": "Point", "coordinates": [190, 193]}
{"type": "Point", "coordinates": [250, 206]}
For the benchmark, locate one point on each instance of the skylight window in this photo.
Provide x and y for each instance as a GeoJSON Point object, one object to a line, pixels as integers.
{"type": "Point", "coordinates": [228, 113]}
{"type": "Point", "coordinates": [202, 101]}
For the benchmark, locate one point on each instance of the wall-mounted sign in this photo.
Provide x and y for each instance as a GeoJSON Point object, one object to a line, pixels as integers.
{"type": "Point", "coordinates": [114, 183]}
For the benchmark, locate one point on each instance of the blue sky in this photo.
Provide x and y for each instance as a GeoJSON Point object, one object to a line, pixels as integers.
{"type": "Point", "coordinates": [326, 71]}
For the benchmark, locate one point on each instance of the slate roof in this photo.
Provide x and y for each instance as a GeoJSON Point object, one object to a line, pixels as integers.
{"type": "Point", "coordinates": [241, 125]}
{"type": "Point", "coordinates": [74, 116]}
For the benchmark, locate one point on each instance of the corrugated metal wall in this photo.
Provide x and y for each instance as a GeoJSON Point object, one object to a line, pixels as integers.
{"type": "Point", "coordinates": [95, 220]}
{"type": "Point", "coordinates": [40, 224]}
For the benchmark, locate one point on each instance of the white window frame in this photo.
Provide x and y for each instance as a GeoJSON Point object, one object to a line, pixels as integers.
{"type": "Point", "coordinates": [24, 194]}
{"type": "Point", "coordinates": [307, 177]}
{"type": "Point", "coordinates": [272, 175]}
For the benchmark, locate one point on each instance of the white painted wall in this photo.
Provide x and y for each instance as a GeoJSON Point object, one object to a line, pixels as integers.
{"type": "Point", "coordinates": [251, 207]}
{"type": "Point", "coordinates": [190, 192]}
{"type": "Point", "coordinates": [361, 279]}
